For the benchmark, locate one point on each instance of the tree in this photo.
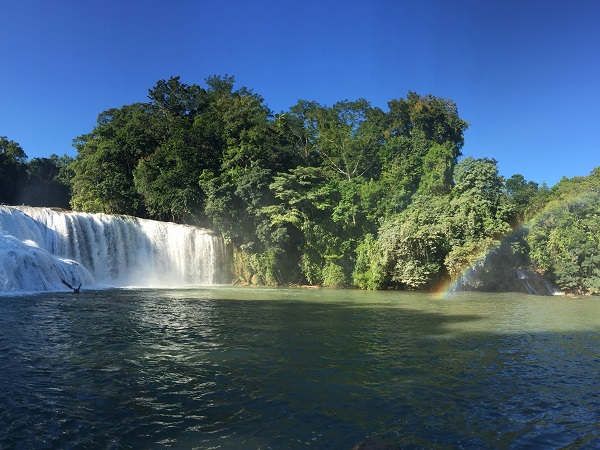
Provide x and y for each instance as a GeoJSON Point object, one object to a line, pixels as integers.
{"type": "Point", "coordinates": [423, 137]}
{"type": "Point", "coordinates": [438, 166]}
{"type": "Point", "coordinates": [522, 194]}
{"type": "Point", "coordinates": [564, 239]}
{"type": "Point", "coordinates": [48, 182]}
{"type": "Point", "coordinates": [410, 249]}
{"type": "Point", "coordinates": [167, 182]}
{"type": "Point", "coordinates": [480, 214]}
{"type": "Point", "coordinates": [166, 177]}
{"type": "Point", "coordinates": [304, 211]}
{"type": "Point", "coordinates": [426, 118]}
{"type": "Point", "coordinates": [300, 124]}
{"type": "Point", "coordinates": [106, 160]}
{"type": "Point", "coordinates": [173, 102]}
{"type": "Point", "coordinates": [348, 138]}
{"type": "Point", "coordinates": [12, 170]}
{"type": "Point", "coordinates": [309, 195]}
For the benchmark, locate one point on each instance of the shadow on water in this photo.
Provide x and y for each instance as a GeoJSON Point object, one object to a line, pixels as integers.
{"type": "Point", "coordinates": [286, 369]}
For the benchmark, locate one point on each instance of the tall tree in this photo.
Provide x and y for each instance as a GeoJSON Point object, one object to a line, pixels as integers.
{"type": "Point", "coordinates": [12, 170]}
{"type": "Point", "coordinates": [564, 239]}
{"type": "Point", "coordinates": [166, 177]}
{"type": "Point", "coordinates": [480, 213]}
{"type": "Point", "coordinates": [343, 138]}
{"type": "Point", "coordinates": [107, 158]}
{"type": "Point", "coordinates": [413, 245]}
{"type": "Point", "coordinates": [48, 182]}
{"type": "Point", "coordinates": [423, 140]}
{"type": "Point", "coordinates": [522, 194]}
{"type": "Point", "coordinates": [426, 118]}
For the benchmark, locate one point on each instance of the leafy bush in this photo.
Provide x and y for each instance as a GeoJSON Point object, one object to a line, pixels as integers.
{"type": "Point", "coordinates": [333, 275]}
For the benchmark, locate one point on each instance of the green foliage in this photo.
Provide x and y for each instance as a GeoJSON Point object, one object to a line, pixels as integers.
{"type": "Point", "coordinates": [48, 182]}
{"type": "Point", "coordinates": [480, 215]}
{"type": "Point", "coordinates": [479, 208]}
{"type": "Point", "coordinates": [39, 182]}
{"type": "Point", "coordinates": [413, 244]}
{"type": "Point", "coordinates": [565, 239]}
{"type": "Point", "coordinates": [333, 275]}
{"type": "Point", "coordinates": [370, 271]}
{"type": "Point", "coordinates": [426, 118]}
{"type": "Point", "coordinates": [347, 138]}
{"type": "Point", "coordinates": [469, 253]}
{"type": "Point", "coordinates": [437, 166]}
{"type": "Point", "coordinates": [12, 170]}
{"type": "Point", "coordinates": [336, 195]}
{"type": "Point", "coordinates": [423, 137]}
{"type": "Point", "coordinates": [478, 178]}
{"type": "Point", "coordinates": [106, 160]}
{"type": "Point", "coordinates": [295, 193]}
{"type": "Point", "coordinates": [444, 229]}
{"type": "Point", "coordinates": [253, 268]}
{"type": "Point", "coordinates": [166, 184]}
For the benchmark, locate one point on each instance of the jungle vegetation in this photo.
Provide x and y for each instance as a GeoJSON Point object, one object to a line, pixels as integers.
{"type": "Point", "coordinates": [340, 195]}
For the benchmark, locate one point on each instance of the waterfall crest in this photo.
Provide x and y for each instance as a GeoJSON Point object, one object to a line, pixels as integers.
{"type": "Point", "coordinates": [41, 247]}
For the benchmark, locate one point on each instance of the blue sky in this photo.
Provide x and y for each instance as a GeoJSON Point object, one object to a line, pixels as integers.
{"type": "Point", "coordinates": [524, 74]}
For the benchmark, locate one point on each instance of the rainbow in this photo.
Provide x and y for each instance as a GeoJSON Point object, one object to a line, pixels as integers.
{"type": "Point", "coordinates": [454, 284]}
{"type": "Point", "coordinates": [459, 280]}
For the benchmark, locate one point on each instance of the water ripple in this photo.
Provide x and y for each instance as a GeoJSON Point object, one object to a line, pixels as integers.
{"type": "Point", "coordinates": [139, 369]}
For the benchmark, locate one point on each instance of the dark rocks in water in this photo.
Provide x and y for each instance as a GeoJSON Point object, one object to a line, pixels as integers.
{"type": "Point", "coordinates": [369, 444]}
{"type": "Point", "coordinates": [76, 290]}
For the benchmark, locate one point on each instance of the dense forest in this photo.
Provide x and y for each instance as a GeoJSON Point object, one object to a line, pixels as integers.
{"type": "Point", "coordinates": [342, 195]}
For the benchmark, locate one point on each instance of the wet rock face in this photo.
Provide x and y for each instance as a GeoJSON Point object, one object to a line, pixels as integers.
{"type": "Point", "coordinates": [535, 283]}
{"type": "Point", "coordinates": [486, 279]}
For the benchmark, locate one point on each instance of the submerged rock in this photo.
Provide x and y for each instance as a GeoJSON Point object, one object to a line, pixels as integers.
{"type": "Point", "coordinates": [369, 444]}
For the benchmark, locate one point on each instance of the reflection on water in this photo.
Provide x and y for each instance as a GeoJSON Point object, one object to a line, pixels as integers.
{"type": "Point", "coordinates": [284, 368]}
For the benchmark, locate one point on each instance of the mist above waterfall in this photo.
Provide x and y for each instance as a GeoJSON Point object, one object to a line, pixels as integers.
{"type": "Point", "coordinates": [41, 248]}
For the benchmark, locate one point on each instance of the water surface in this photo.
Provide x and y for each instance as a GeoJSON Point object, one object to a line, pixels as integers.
{"type": "Point", "coordinates": [239, 368]}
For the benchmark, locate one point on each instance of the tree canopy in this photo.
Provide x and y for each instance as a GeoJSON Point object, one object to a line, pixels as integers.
{"type": "Point", "coordinates": [336, 195]}
{"type": "Point", "coordinates": [39, 182]}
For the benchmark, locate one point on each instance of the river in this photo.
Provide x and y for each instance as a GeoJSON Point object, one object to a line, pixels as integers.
{"type": "Point", "coordinates": [254, 368]}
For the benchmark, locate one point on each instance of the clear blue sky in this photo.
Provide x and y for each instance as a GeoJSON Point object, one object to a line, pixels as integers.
{"type": "Point", "coordinates": [525, 74]}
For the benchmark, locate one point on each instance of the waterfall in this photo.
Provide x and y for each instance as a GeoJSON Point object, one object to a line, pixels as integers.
{"type": "Point", "coordinates": [536, 284]}
{"type": "Point", "coordinates": [524, 277]}
{"type": "Point", "coordinates": [41, 247]}
{"type": "Point", "coordinates": [493, 276]}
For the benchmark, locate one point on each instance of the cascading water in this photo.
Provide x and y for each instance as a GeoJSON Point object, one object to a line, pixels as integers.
{"type": "Point", "coordinates": [41, 248]}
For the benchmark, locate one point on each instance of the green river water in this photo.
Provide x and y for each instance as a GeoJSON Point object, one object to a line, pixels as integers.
{"type": "Point", "coordinates": [237, 368]}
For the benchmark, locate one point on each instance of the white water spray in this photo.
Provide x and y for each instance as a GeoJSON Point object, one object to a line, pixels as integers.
{"type": "Point", "coordinates": [41, 247]}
